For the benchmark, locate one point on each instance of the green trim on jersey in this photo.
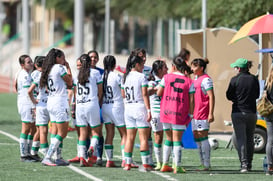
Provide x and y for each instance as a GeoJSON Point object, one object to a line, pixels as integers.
{"type": "Point", "coordinates": [209, 88]}
{"type": "Point", "coordinates": [144, 86]}
{"type": "Point", "coordinates": [161, 85]}
{"type": "Point", "coordinates": [26, 86]}
{"type": "Point", "coordinates": [192, 92]}
{"type": "Point", "coordinates": [64, 74]}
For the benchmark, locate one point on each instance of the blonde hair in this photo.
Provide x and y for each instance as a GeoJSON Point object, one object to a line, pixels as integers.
{"type": "Point", "coordinates": [269, 79]}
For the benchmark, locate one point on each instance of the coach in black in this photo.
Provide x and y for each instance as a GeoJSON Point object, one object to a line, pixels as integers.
{"type": "Point", "coordinates": [243, 91]}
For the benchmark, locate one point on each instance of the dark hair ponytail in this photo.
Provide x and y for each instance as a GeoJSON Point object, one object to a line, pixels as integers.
{"type": "Point", "coordinates": [180, 64]}
{"type": "Point", "coordinates": [131, 63]}
{"type": "Point", "coordinates": [109, 63]}
{"type": "Point", "coordinates": [84, 72]}
{"type": "Point", "coordinates": [49, 62]}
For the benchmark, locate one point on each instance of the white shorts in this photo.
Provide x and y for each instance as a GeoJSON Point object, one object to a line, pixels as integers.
{"type": "Point", "coordinates": [200, 125]}
{"type": "Point", "coordinates": [113, 114]}
{"type": "Point", "coordinates": [58, 109]}
{"type": "Point", "coordinates": [136, 116]}
{"type": "Point", "coordinates": [175, 127]}
{"type": "Point", "coordinates": [25, 111]}
{"type": "Point", "coordinates": [88, 114]}
{"type": "Point", "coordinates": [155, 122]}
{"type": "Point", "coordinates": [42, 115]}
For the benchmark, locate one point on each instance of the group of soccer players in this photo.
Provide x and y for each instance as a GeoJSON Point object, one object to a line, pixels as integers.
{"type": "Point", "coordinates": [143, 99]}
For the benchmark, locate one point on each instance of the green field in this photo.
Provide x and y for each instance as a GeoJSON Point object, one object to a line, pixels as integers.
{"type": "Point", "coordinates": [225, 164]}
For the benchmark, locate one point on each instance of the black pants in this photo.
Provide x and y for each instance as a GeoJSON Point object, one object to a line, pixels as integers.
{"type": "Point", "coordinates": [244, 126]}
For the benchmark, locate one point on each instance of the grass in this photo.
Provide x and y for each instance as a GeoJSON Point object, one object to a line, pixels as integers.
{"type": "Point", "coordinates": [225, 163]}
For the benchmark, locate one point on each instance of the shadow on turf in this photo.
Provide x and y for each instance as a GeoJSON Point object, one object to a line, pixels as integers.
{"type": "Point", "coordinates": [6, 122]}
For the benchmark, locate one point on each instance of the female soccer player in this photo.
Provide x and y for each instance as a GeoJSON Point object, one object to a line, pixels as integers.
{"type": "Point", "coordinates": [137, 110]}
{"type": "Point", "coordinates": [56, 79]}
{"type": "Point", "coordinates": [42, 115]}
{"type": "Point", "coordinates": [159, 69]}
{"type": "Point", "coordinates": [176, 104]}
{"type": "Point", "coordinates": [203, 110]}
{"type": "Point", "coordinates": [88, 101]}
{"type": "Point", "coordinates": [25, 106]}
{"type": "Point", "coordinates": [112, 108]}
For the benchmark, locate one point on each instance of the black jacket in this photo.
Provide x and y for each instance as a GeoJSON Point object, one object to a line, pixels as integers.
{"type": "Point", "coordinates": [243, 91]}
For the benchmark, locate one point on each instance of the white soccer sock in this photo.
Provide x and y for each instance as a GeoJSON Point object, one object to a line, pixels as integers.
{"type": "Point", "coordinates": [206, 152]}
{"type": "Point", "coordinates": [81, 147]}
{"type": "Point", "coordinates": [109, 152]}
{"type": "Point", "coordinates": [29, 143]}
{"type": "Point", "coordinates": [35, 147]}
{"type": "Point", "coordinates": [177, 153]}
{"type": "Point", "coordinates": [167, 148]}
{"type": "Point", "coordinates": [145, 157]}
{"type": "Point", "coordinates": [53, 146]}
{"type": "Point", "coordinates": [23, 145]}
{"type": "Point", "coordinates": [158, 152]}
{"type": "Point", "coordinates": [44, 148]}
{"type": "Point", "coordinates": [94, 143]}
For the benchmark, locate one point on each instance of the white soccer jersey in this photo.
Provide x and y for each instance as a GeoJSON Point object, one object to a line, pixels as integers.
{"type": "Point", "coordinates": [89, 91]}
{"type": "Point", "coordinates": [42, 92]}
{"type": "Point", "coordinates": [155, 99]}
{"type": "Point", "coordinates": [23, 84]}
{"type": "Point", "coordinates": [34, 76]}
{"type": "Point", "coordinates": [113, 92]}
{"type": "Point", "coordinates": [133, 87]}
{"type": "Point", "coordinates": [55, 82]}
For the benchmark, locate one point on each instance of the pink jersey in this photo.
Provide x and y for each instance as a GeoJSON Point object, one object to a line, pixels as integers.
{"type": "Point", "coordinates": [175, 103]}
{"type": "Point", "coordinates": [201, 98]}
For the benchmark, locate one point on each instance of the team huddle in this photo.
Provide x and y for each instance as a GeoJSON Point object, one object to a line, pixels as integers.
{"type": "Point", "coordinates": [143, 99]}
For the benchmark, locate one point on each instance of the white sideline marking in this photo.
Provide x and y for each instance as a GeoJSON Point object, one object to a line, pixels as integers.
{"type": "Point", "coordinates": [155, 172]}
{"type": "Point", "coordinates": [79, 171]}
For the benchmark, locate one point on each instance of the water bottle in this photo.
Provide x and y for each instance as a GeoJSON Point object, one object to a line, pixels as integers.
{"type": "Point", "coordinates": [265, 164]}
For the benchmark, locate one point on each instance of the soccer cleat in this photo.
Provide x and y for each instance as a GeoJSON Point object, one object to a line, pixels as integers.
{"type": "Point", "coordinates": [166, 168]}
{"type": "Point", "coordinates": [27, 159]}
{"type": "Point", "coordinates": [48, 162]}
{"type": "Point", "coordinates": [74, 160]}
{"type": "Point", "coordinates": [269, 171]}
{"type": "Point", "coordinates": [84, 163]}
{"type": "Point", "coordinates": [99, 162]}
{"type": "Point", "coordinates": [36, 157]}
{"type": "Point", "coordinates": [134, 165]}
{"type": "Point", "coordinates": [110, 164]}
{"type": "Point", "coordinates": [148, 167]}
{"type": "Point", "coordinates": [61, 162]}
{"type": "Point", "coordinates": [127, 167]}
{"type": "Point", "coordinates": [179, 170]}
{"type": "Point", "coordinates": [158, 166]}
{"type": "Point", "coordinates": [91, 158]}
{"type": "Point", "coordinates": [203, 168]}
